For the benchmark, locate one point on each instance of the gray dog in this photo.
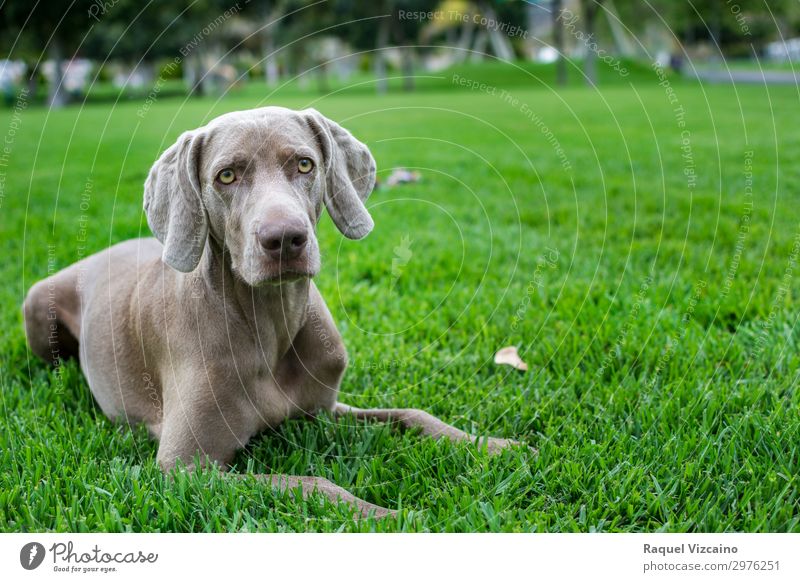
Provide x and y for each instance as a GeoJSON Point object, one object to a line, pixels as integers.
{"type": "Point", "coordinates": [215, 331]}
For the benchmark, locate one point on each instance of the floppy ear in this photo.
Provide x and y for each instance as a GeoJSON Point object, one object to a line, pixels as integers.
{"type": "Point", "coordinates": [350, 174]}
{"type": "Point", "coordinates": [173, 204]}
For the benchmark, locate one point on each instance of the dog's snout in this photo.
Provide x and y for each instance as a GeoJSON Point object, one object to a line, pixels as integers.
{"type": "Point", "coordinates": [284, 240]}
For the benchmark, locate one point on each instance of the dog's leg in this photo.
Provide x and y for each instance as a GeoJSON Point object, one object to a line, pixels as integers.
{"type": "Point", "coordinates": [52, 317]}
{"type": "Point", "coordinates": [429, 424]}
{"type": "Point", "coordinates": [310, 485]}
{"type": "Point", "coordinates": [215, 444]}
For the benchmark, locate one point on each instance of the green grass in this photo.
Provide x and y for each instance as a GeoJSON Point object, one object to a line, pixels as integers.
{"type": "Point", "coordinates": [662, 345]}
{"type": "Point", "coordinates": [491, 71]}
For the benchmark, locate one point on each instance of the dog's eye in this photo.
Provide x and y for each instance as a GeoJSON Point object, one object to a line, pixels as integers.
{"type": "Point", "coordinates": [305, 165]}
{"type": "Point", "coordinates": [227, 176]}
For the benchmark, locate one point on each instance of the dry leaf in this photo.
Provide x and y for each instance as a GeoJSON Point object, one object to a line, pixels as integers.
{"type": "Point", "coordinates": [510, 357]}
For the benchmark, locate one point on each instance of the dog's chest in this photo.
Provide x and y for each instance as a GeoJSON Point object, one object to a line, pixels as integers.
{"type": "Point", "coordinates": [261, 364]}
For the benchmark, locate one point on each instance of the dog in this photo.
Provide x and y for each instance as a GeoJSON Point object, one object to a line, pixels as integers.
{"type": "Point", "coordinates": [213, 331]}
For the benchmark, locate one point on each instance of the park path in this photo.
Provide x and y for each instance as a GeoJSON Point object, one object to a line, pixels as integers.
{"type": "Point", "coordinates": [760, 77]}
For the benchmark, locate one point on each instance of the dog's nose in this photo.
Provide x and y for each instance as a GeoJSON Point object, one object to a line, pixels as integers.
{"type": "Point", "coordinates": [285, 240]}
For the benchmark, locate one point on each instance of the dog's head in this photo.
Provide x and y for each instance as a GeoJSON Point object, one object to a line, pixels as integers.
{"type": "Point", "coordinates": [256, 181]}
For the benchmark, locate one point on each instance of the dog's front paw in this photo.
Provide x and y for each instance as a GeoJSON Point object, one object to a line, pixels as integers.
{"type": "Point", "coordinates": [366, 509]}
{"type": "Point", "coordinates": [495, 446]}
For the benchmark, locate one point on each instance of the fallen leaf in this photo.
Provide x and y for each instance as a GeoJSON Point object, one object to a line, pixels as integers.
{"type": "Point", "coordinates": [509, 356]}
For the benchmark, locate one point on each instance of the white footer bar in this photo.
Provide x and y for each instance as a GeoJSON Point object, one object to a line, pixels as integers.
{"type": "Point", "coordinates": [354, 557]}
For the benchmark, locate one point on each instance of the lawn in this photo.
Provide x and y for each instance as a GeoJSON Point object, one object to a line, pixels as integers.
{"type": "Point", "coordinates": [639, 244]}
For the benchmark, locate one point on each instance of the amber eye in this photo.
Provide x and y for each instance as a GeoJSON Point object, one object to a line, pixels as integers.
{"type": "Point", "coordinates": [227, 176]}
{"type": "Point", "coordinates": [305, 165]}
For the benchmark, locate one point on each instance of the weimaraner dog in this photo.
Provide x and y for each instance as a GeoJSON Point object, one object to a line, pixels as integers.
{"type": "Point", "coordinates": [213, 331]}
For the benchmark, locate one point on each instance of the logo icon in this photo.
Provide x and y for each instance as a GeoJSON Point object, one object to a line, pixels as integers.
{"type": "Point", "coordinates": [402, 256]}
{"type": "Point", "coordinates": [31, 555]}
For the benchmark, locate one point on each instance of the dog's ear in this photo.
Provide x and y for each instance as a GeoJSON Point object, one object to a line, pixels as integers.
{"type": "Point", "coordinates": [173, 203]}
{"type": "Point", "coordinates": [350, 174]}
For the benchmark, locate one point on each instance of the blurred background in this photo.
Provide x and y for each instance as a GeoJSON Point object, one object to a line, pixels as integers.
{"type": "Point", "coordinates": [95, 50]}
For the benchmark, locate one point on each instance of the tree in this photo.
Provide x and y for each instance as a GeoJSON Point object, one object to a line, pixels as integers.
{"type": "Point", "coordinates": [590, 11]}
{"type": "Point", "coordinates": [737, 28]}
{"type": "Point", "coordinates": [406, 33]}
{"type": "Point", "coordinates": [558, 41]}
{"type": "Point", "coordinates": [269, 13]}
{"type": "Point", "coordinates": [375, 26]}
{"type": "Point", "coordinates": [48, 29]}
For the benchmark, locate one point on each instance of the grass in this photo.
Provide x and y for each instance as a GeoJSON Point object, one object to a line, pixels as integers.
{"type": "Point", "coordinates": [657, 312]}
{"type": "Point", "coordinates": [359, 83]}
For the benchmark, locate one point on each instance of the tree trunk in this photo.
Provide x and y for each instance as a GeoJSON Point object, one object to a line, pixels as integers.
{"type": "Point", "coordinates": [56, 96]}
{"type": "Point", "coordinates": [591, 7]}
{"type": "Point", "coordinates": [408, 68]}
{"type": "Point", "coordinates": [499, 41]}
{"type": "Point", "coordinates": [716, 28]}
{"type": "Point", "coordinates": [322, 79]}
{"type": "Point", "coordinates": [558, 41]}
{"type": "Point", "coordinates": [624, 41]}
{"type": "Point", "coordinates": [379, 61]}
{"type": "Point", "coordinates": [479, 48]}
{"type": "Point", "coordinates": [198, 78]}
{"type": "Point", "coordinates": [271, 71]}
{"type": "Point", "coordinates": [271, 13]}
{"type": "Point", "coordinates": [33, 81]}
{"type": "Point", "coordinates": [465, 41]}
{"type": "Point", "coordinates": [532, 14]}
